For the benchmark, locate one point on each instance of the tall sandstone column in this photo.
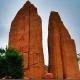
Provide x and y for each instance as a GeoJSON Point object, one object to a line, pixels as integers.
{"type": "Point", "coordinates": [55, 58]}
{"type": "Point", "coordinates": [62, 51]}
{"type": "Point", "coordinates": [26, 37]}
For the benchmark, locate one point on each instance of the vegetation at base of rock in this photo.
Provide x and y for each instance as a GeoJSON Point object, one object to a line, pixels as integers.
{"type": "Point", "coordinates": [11, 64]}
{"type": "Point", "coordinates": [78, 57]}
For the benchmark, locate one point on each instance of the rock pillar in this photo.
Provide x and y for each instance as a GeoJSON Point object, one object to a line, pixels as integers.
{"type": "Point", "coordinates": [26, 37]}
{"type": "Point", "coordinates": [62, 52]}
{"type": "Point", "coordinates": [54, 46]}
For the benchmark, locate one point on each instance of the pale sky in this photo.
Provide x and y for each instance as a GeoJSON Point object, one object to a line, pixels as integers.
{"type": "Point", "coordinates": [68, 10]}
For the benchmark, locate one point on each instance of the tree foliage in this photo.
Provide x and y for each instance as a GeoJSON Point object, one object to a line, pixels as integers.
{"type": "Point", "coordinates": [11, 64]}
{"type": "Point", "coordinates": [78, 58]}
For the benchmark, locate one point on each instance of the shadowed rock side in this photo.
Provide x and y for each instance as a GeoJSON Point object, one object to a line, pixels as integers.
{"type": "Point", "coordinates": [26, 37]}
{"type": "Point", "coordinates": [62, 52]}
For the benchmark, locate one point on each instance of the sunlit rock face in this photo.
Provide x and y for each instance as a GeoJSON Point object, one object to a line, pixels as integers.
{"type": "Point", "coordinates": [26, 37]}
{"type": "Point", "coordinates": [55, 60]}
{"type": "Point", "coordinates": [62, 52]}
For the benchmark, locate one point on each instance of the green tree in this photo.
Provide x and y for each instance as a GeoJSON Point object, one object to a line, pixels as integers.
{"type": "Point", "coordinates": [11, 64]}
{"type": "Point", "coordinates": [78, 58]}
{"type": "Point", "coordinates": [2, 51]}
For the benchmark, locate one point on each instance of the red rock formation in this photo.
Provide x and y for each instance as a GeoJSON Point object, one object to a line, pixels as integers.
{"type": "Point", "coordinates": [62, 52]}
{"type": "Point", "coordinates": [48, 76]}
{"type": "Point", "coordinates": [26, 36]}
{"type": "Point", "coordinates": [55, 61]}
{"type": "Point", "coordinates": [69, 55]}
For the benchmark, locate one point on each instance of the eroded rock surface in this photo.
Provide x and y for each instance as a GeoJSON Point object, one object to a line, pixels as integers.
{"type": "Point", "coordinates": [62, 52]}
{"type": "Point", "coordinates": [26, 37]}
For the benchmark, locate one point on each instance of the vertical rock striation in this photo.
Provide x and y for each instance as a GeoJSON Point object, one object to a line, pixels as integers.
{"type": "Point", "coordinates": [55, 59]}
{"type": "Point", "coordinates": [62, 52]}
{"type": "Point", "coordinates": [26, 37]}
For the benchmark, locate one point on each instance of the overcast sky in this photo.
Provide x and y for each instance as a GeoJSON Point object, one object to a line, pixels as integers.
{"type": "Point", "coordinates": [69, 11]}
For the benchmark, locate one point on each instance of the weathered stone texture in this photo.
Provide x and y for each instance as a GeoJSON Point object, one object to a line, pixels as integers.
{"type": "Point", "coordinates": [26, 36]}
{"type": "Point", "coordinates": [62, 51]}
{"type": "Point", "coordinates": [48, 76]}
{"type": "Point", "coordinates": [55, 61]}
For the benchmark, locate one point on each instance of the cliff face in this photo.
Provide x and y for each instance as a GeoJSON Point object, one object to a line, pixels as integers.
{"type": "Point", "coordinates": [62, 51]}
{"type": "Point", "coordinates": [26, 36]}
{"type": "Point", "coordinates": [55, 59]}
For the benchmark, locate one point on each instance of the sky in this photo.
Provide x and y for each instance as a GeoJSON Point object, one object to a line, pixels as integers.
{"type": "Point", "coordinates": [68, 10]}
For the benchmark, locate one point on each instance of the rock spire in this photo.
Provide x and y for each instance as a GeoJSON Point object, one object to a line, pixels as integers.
{"type": "Point", "coordinates": [26, 37]}
{"type": "Point", "coordinates": [62, 52]}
